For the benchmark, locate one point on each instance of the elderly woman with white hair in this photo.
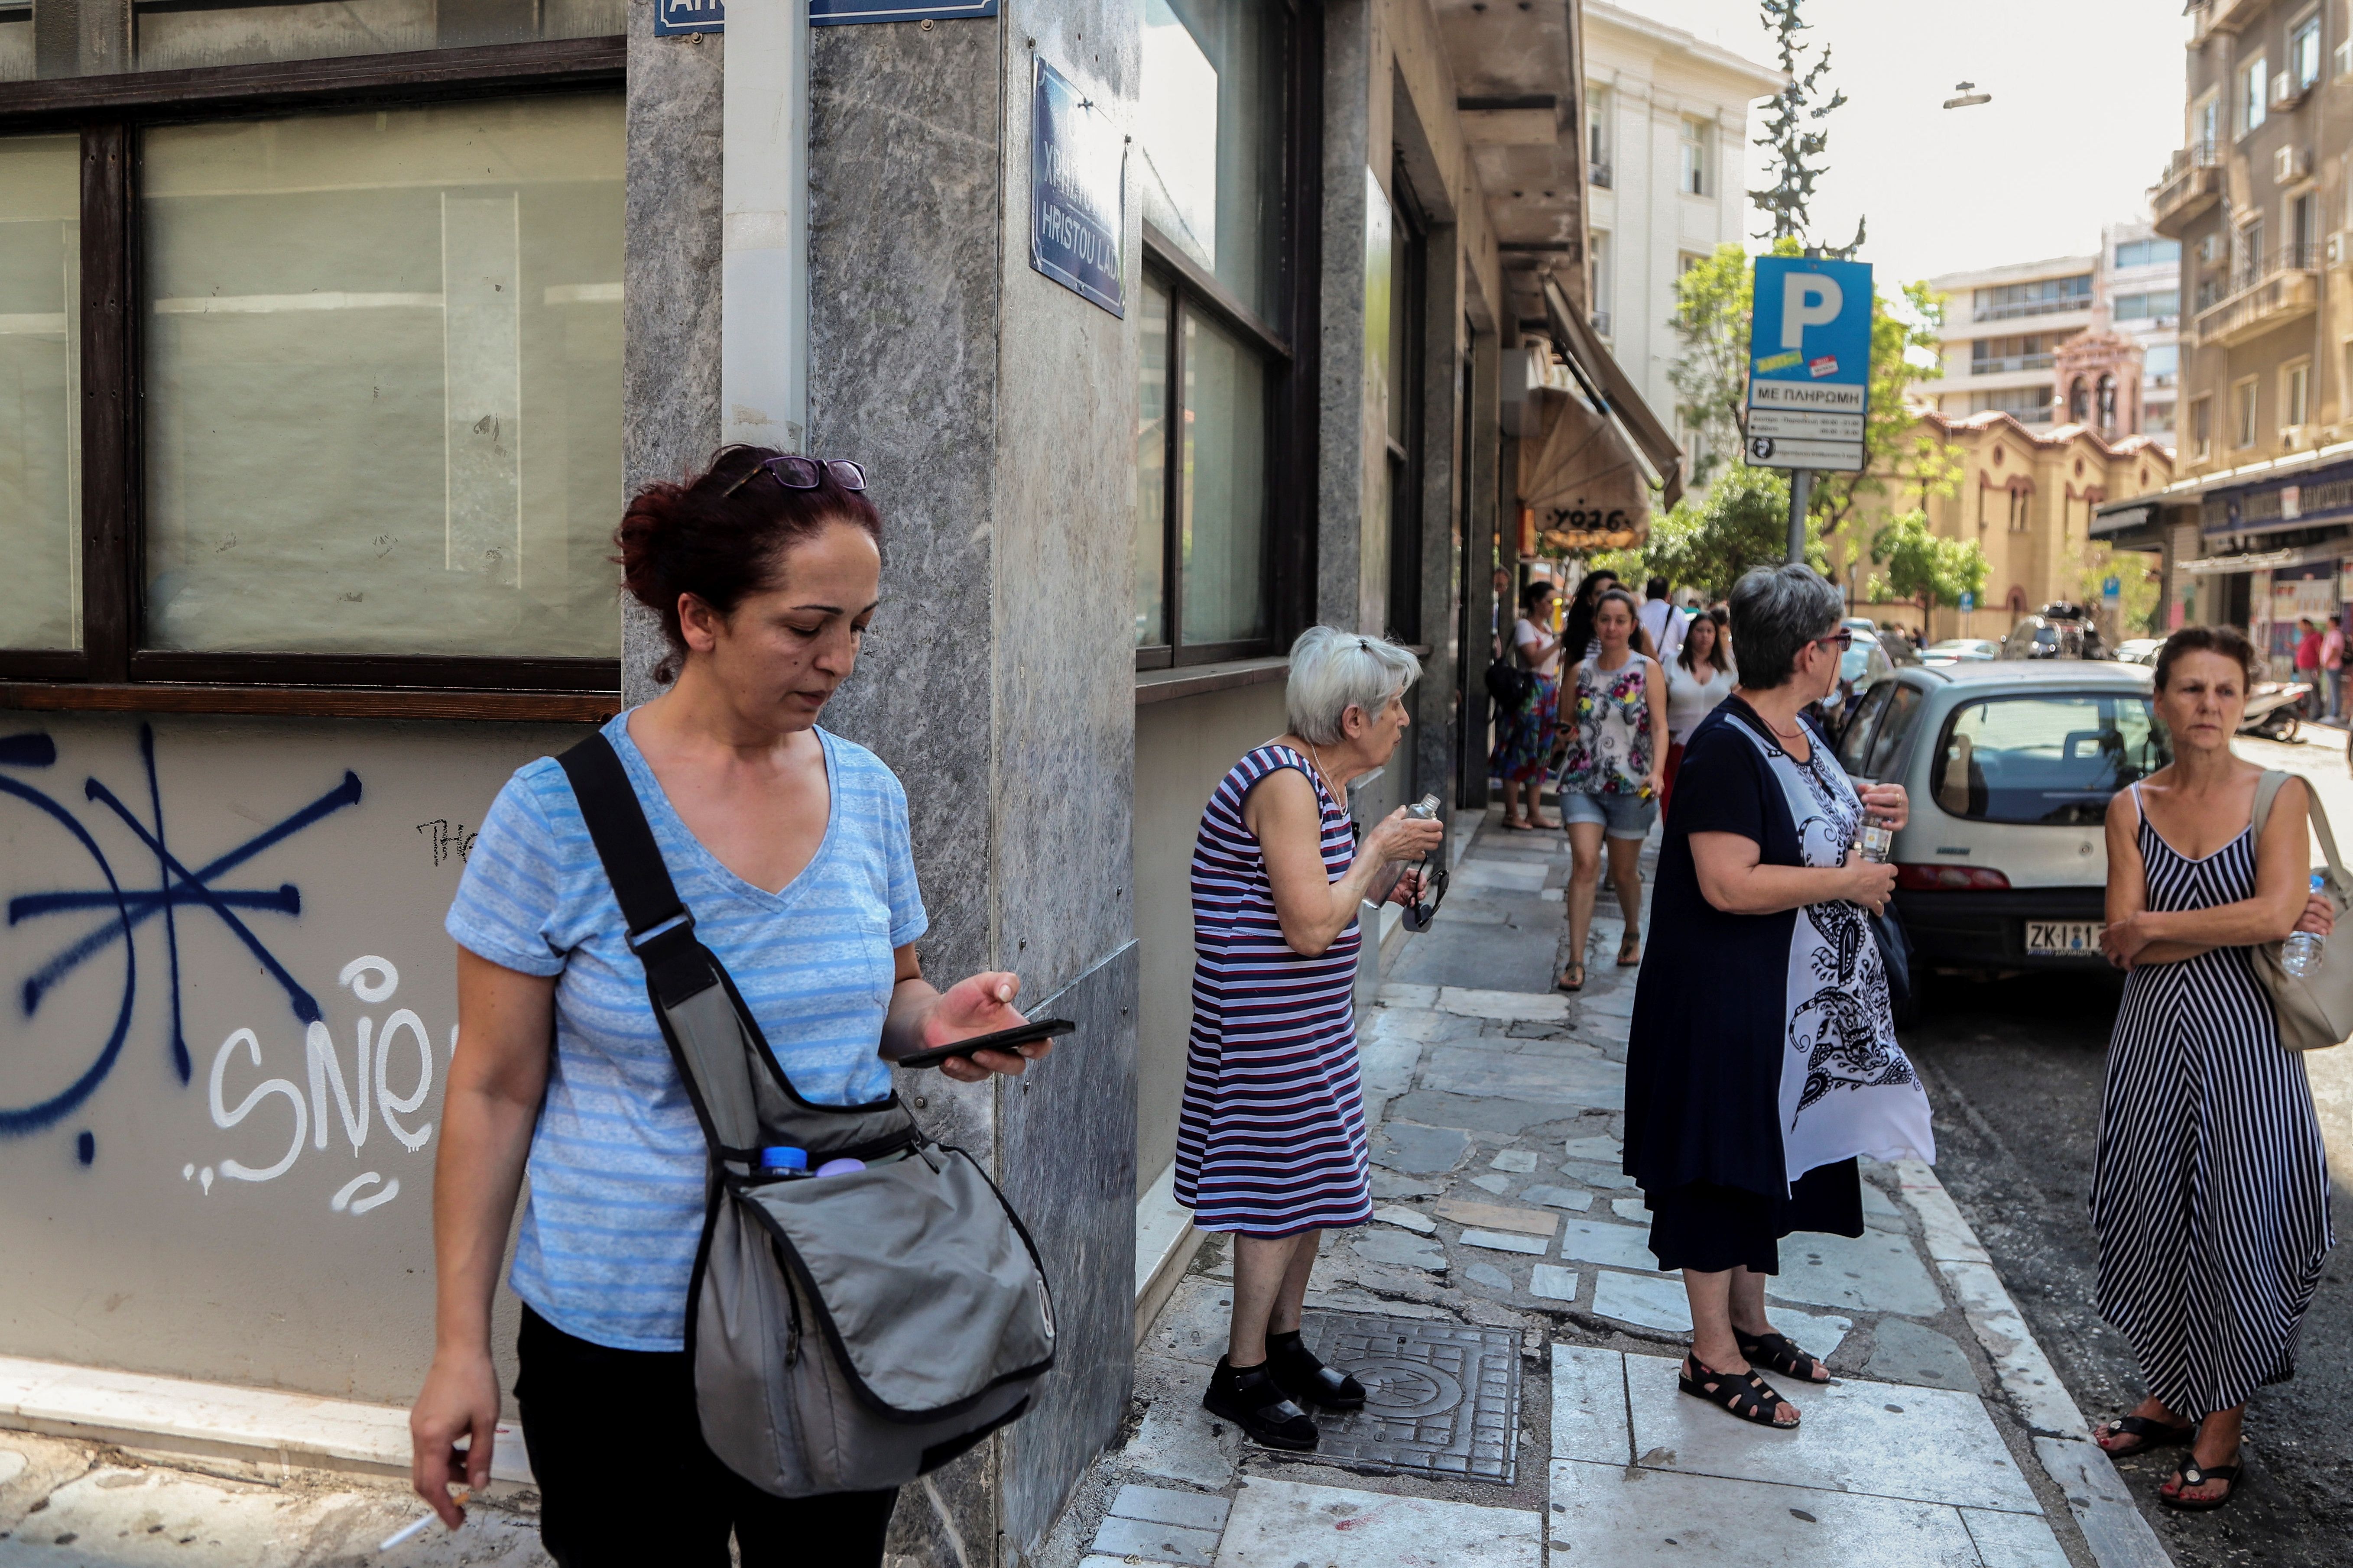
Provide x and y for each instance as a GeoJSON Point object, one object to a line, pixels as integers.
{"type": "Point", "coordinates": [1270, 1145]}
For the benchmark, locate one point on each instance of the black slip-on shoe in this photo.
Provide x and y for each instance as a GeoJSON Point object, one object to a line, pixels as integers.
{"type": "Point", "coordinates": [1255, 1402]}
{"type": "Point", "coordinates": [1299, 1373]}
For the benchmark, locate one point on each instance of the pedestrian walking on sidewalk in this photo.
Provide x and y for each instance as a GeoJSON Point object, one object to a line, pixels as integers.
{"type": "Point", "coordinates": [2210, 1193]}
{"type": "Point", "coordinates": [1660, 622]}
{"type": "Point", "coordinates": [791, 849]}
{"type": "Point", "coordinates": [2307, 651]}
{"type": "Point", "coordinates": [1698, 677]}
{"type": "Point", "coordinates": [1270, 1138]}
{"type": "Point", "coordinates": [1762, 1057]}
{"type": "Point", "coordinates": [2332, 665]}
{"type": "Point", "coordinates": [1610, 780]}
{"type": "Point", "coordinates": [1523, 737]}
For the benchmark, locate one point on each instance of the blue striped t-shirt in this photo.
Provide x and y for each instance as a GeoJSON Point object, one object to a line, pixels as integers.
{"type": "Point", "coordinates": [617, 1163]}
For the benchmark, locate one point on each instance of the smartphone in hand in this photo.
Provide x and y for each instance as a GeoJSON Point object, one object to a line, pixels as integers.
{"type": "Point", "coordinates": [1002, 1040]}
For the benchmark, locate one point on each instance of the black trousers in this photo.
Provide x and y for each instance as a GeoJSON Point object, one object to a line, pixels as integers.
{"type": "Point", "coordinates": [626, 1481]}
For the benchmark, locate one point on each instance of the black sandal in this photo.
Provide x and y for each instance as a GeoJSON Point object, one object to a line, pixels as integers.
{"type": "Point", "coordinates": [1255, 1402]}
{"type": "Point", "coordinates": [2194, 1474]}
{"type": "Point", "coordinates": [1744, 1394]}
{"type": "Point", "coordinates": [1298, 1372]}
{"type": "Point", "coordinates": [1777, 1352]}
{"type": "Point", "coordinates": [2152, 1434]}
{"type": "Point", "coordinates": [1565, 984]}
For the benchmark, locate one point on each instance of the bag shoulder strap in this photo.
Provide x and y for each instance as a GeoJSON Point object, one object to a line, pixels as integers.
{"type": "Point", "coordinates": [661, 928]}
{"type": "Point", "coordinates": [2267, 789]}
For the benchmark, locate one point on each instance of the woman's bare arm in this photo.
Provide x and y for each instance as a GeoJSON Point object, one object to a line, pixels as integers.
{"type": "Point", "coordinates": [497, 1077]}
{"type": "Point", "coordinates": [1733, 879]}
{"type": "Point", "coordinates": [1285, 816]}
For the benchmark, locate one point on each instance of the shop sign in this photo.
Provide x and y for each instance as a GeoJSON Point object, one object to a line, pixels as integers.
{"type": "Point", "coordinates": [674, 17]}
{"type": "Point", "coordinates": [1076, 192]}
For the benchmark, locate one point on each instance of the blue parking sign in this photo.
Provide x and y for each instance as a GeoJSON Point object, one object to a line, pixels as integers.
{"type": "Point", "coordinates": [1809, 362]}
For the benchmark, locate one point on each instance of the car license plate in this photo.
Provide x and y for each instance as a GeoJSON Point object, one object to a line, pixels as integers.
{"type": "Point", "coordinates": [2062, 937]}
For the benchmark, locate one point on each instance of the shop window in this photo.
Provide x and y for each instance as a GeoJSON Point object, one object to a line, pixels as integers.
{"type": "Point", "coordinates": [41, 361]}
{"type": "Point", "coordinates": [317, 399]}
{"type": "Point", "coordinates": [1214, 131]}
{"type": "Point", "coordinates": [176, 35]}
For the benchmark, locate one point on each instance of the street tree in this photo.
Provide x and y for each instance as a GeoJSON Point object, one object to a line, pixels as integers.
{"type": "Point", "coordinates": [1706, 543]}
{"type": "Point", "coordinates": [1918, 565]}
{"type": "Point", "coordinates": [1795, 132]}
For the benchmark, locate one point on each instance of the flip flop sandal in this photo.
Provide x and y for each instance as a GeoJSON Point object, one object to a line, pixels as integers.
{"type": "Point", "coordinates": [1565, 983]}
{"type": "Point", "coordinates": [2194, 1474]}
{"type": "Point", "coordinates": [1777, 1352]}
{"type": "Point", "coordinates": [1745, 1394]}
{"type": "Point", "coordinates": [1633, 944]}
{"type": "Point", "coordinates": [1511, 827]}
{"type": "Point", "coordinates": [2151, 1433]}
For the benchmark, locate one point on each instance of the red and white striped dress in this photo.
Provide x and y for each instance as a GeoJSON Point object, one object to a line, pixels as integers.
{"type": "Point", "coordinates": [1271, 1138]}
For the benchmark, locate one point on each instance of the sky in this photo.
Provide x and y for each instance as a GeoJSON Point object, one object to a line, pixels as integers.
{"type": "Point", "coordinates": [2088, 105]}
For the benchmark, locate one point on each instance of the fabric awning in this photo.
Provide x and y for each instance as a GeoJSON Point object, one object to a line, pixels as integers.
{"type": "Point", "coordinates": [1592, 366]}
{"type": "Point", "coordinates": [1578, 476]}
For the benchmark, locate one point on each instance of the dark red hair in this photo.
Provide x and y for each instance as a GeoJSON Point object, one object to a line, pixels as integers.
{"type": "Point", "coordinates": [2229, 641]}
{"type": "Point", "coordinates": [722, 535]}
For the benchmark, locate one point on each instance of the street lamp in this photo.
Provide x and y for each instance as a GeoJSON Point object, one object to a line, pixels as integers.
{"type": "Point", "coordinates": [1969, 96]}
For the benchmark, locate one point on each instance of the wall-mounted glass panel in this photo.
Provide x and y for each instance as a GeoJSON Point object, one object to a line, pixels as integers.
{"type": "Point", "coordinates": [173, 35]}
{"type": "Point", "coordinates": [1224, 457]}
{"type": "Point", "coordinates": [1152, 470]}
{"type": "Point", "coordinates": [1209, 128]}
{"type": "Point", "coordinates": [40, 392]}
{"type": "Point", "coordinates": [383, 395]}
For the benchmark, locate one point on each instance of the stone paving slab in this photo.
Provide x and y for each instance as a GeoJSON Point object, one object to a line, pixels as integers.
{"type": "Point", "coordinates": [1647, 1519]}
{"type": "Point", "coordinates": [1584, 1081]}
{"type": "Point", "coordinates": [1880, 1439]}
{"type": "Point", "coordinates": [1600, 1241]}
{"type": "Point", "coordinates": [1280, 1524]}
{"type": "Point", "coordinates": [1505, 1005]}
{"type": "Point", "coordinates": [1875, 1272]}
{"type": "Point", "coordinates": [1498, 1216]}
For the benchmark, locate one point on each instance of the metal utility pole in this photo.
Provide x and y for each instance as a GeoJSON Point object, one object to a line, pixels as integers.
{"type": "Point", "coordinates": [1801, 492]}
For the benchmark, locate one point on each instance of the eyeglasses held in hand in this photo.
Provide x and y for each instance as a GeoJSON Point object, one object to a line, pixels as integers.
{"type": "Point", "coordinates": [1420, 913]}
{"type": "Point", "coordinates": [798, 473]}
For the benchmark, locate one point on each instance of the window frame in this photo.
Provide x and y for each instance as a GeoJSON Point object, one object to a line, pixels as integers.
{"type": "Point", "coordinates": [1288, 353]}
{"type": "Point", "coordinates": [2201, 428]}
{"type": "Point", "coordinates": [2254, 83]}
{"type": "Point", "coordinates": [2246, 422]}
{"type": "Point", "coordinates": [2306, 26]}
{"type": "Point", "coordinates": [1694, 155]}
{"type": "Point", "coordinates": [112, 669]}
{"type": "Point", "coordinates": [2295, 392]}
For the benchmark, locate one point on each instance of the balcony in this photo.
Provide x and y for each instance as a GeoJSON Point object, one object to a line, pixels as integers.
{"type": "Point", "coordinates": [2266, 294]}
{"type": "Point", "coordinates": [2057, 305]}
{"type": "Point", "coordinates": [2219, 16]}
{"type": "Point", "coordinates": [2191, 185]}
{"type": "Point", "coordinates": [2005, 365]}
{"type": "Point", "coordinates": [1601, 324]}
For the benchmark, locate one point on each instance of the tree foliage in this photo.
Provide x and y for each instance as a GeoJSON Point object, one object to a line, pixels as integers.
{"type": "Point", "coordinates": [1794, 131]}
{"type": "Point", "coordinates": [1919, 565]}
{"type": "Point", "coordinates": [1706, 543]}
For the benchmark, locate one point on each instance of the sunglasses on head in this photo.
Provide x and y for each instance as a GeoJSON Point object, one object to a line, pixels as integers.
{"type": "Point", "coordinates": [797, 473]}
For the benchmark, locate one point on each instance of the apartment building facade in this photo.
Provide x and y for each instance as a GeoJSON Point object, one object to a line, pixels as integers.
{"type": "Point", "coordinates": [1666, 138]}
{"type": "Point", "coordinates": [2255, 531]}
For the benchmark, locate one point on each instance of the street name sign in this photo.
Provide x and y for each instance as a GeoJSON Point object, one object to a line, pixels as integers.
{"type": "Point", "coordinates": [1076, 192]}
{"type": "Point", "coordinates": [1809, 362]}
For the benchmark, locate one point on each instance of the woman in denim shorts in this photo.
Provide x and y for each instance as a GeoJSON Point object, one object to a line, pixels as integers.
{"type": "Point", "coordinates": [1615, 716]}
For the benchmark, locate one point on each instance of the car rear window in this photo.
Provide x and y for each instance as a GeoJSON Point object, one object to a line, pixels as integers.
{"type": "Point", "coordinates": [2053, 759]}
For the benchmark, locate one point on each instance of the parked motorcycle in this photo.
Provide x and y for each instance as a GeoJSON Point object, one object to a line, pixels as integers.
{"type": "Point", "coordinates": [2276, 710]}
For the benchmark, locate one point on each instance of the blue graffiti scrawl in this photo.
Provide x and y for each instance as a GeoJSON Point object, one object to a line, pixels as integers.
{"type": "Point", "coordinates": [123, 911]}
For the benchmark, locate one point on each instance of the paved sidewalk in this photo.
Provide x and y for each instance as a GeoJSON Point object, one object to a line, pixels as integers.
{"type": "Point", "coordinates": [1502, 1219]}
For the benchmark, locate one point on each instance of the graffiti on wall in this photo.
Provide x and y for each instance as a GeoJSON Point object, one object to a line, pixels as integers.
{"type": "Point", "coordinates": [150, 897]}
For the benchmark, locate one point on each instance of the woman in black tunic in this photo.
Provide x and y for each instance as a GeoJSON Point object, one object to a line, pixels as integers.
{"type": "Point", "coordinates": [1763, 1056]}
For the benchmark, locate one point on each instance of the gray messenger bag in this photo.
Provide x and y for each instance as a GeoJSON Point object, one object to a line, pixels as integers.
{"type": "Point", "coordinates": [848, 1331]}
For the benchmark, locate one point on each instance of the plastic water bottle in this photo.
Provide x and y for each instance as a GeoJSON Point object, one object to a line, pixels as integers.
{"type": "Point", "coordinates": [2305, 951]}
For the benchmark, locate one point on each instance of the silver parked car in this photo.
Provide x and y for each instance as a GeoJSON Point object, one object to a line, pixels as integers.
{"type": "Point", "coordinates": [2009, 767]}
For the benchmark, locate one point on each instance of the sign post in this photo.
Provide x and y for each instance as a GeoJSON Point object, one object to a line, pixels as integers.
{"type": "Point", "coordinates": [1808, 373]}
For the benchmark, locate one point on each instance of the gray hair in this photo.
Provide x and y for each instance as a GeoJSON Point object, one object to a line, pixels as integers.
{"type": "Point", "coordinates": [1332, 671]}
{"type": "Point", "coordinates": [1776, 612]}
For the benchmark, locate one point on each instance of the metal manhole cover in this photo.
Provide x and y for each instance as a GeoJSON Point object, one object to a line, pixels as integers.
{"type": "Point", "coordinates": [1441, 1399]}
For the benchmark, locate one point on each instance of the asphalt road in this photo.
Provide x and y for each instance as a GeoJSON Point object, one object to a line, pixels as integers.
{"type": "Point", "coordinates": [2014, 1070]}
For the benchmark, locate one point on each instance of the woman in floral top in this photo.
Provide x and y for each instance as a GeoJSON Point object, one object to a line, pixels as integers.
{"type": "Point", "coordinates": [1610, 784]}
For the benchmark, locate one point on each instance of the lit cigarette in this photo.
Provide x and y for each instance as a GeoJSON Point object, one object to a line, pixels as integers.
{"type": "Point", "coordinates": [409, 1532]}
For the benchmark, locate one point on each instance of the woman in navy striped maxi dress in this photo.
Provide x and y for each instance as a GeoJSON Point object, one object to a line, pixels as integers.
{"type": "Point", "coordinates": [2210, 1195]}
{"type": "Point", "coordinates": [1270, 1143]}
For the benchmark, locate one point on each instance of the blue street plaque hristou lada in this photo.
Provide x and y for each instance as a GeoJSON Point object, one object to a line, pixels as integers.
{"type": "Point", "coordinates": [672, 18]}
{"type": "Point", "coordinates": [835, 13]}
{"type": "Point", "coordinates": [1076, 192]}
{"type": "Point", "coordinates": [1809, 362]}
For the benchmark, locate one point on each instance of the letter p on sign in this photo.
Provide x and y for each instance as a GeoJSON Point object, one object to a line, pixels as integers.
{"type": "Point", "coordinates": [1807, 300]}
